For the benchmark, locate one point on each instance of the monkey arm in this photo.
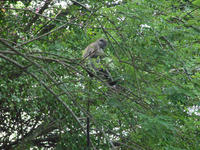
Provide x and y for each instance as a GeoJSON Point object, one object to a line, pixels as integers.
{"type": "Point", "coordinates": [93, 51]}
{"type": "Point", "coordinates": [90, 51]}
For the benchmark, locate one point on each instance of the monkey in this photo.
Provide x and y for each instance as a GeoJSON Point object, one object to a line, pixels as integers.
{"type": "Point", "coordinates": [94, 52]}
{"type": "Point", "coordinates": [95, 49]}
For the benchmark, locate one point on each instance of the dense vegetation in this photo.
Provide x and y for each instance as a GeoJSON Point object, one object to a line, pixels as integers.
{"type": "Point", "coordinates": [47, 99]}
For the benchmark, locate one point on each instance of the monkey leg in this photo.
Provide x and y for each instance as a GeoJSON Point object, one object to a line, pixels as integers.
{"type": "Point", "coordinates": [103, 73]}
{"type": "Point", "coordinates": [106, 75]}
{"type": "Point", "coordinates": [91, 74]}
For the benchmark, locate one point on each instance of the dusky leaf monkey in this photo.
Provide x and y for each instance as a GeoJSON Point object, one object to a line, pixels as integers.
{"type": "Point", "coordinates": [94, 53]}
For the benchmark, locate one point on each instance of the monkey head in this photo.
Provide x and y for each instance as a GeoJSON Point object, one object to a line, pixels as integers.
{"type": "Point", "coordinates": [102, 43]}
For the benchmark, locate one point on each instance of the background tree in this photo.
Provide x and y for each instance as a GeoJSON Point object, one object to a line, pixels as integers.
{"type": "Point", "coordinates": [45, 91]}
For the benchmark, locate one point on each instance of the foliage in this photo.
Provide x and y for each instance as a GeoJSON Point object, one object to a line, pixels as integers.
{"type": "Point", "coordinates": [47, 97]}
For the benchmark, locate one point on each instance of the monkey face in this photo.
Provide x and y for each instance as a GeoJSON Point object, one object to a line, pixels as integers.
{"type": "Point", "coordinates": [102, 43]}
